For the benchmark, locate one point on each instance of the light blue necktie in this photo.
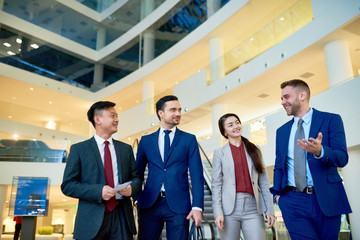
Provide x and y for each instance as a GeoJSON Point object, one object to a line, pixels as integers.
{"type": "Point", "coordinates": [299, 159]}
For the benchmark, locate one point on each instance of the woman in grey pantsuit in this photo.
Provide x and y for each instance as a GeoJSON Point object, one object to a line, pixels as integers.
{"type": "Point", "coordinates": [240, 186]}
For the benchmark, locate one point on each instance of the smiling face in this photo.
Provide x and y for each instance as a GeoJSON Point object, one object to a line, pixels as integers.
{"type": "Point", "coordinates": [106, 121]}
{"type": "Point", "coordinates": [232, 127]}
{"type": "Point", "coordinates": [171, 115]}
{"type": "Point", "coordinates": [291, 98]}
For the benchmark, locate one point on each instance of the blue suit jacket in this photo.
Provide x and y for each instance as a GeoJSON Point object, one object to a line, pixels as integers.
{"type": "Point", "coordinates": [173, 172]}
{"type": "Point", "coordinates": [84, 178]}
{"type": "Point", "coordinates": [328, 185]}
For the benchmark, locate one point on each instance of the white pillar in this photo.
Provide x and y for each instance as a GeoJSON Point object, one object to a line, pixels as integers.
{"type": "Point", "coordinates": [99, 67]}
{"type": "Point", "coordinates": [216, 53]}
{"type": "Point", "coordinates": [147, 7]}
{"type": "Point", "coordinates": [98, 73]}
{"type": "Point", "coordinates": [3, 192]}
{"type": "Point", "coordinates": [338, 62]}
{"type": "Point", "coordinates": [212, 7]}
{"type": "Point", "coordinates": [148, 96]}
{"type": "Point", "coordinates": [148, 46]}
{"type": "Point", "coordinates": [351, 181]}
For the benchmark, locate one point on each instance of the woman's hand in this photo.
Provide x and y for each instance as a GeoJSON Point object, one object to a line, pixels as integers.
{"type": "Point", "coordinates": [270, 220]}
{"type": "Point", "coordinates": [219, 221]}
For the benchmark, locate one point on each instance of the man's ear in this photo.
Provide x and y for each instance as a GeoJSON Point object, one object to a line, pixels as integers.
{"type": "Point", "coordinates": [161, 114]}
{"type": "Point", "coordinates": [97, 120]}
{"type": "Point", "coordinates": [302, 95]}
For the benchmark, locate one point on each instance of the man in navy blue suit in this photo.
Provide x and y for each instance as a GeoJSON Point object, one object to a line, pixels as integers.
{"type": "Point", "coordinates": [169, 153]}
{"type": "Point", "coordinates": [310, 192]}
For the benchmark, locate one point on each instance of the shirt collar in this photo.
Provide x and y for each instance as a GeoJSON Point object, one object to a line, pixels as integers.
{"type": "Point", "coordinates": [100, 140]}
{"type": "Point", "coordinates": [172, 130]}
{"type": "Point", "coordinates": [306, 118]}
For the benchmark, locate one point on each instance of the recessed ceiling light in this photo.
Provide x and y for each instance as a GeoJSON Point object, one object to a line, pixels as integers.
{"type": "Point", "coordinates": [34, 46]}
{"type": "Point", "coordinates": [10, 117]}
{"type": "Point", "coordinates": [282, 19]}
{"type": "Point", "coordinates": [15, 136]}
{"type": "Point", "coordinates": [18, 40]}
{"type": "Point", "coordinates": [10, 53]}
{"type": "Point", "coordinates": [50, 102]}
{"type": "Point", "coordinates": [64, 200]}
{"type": "Point", "coordinates": [252, 39]}
{"type": "Point", "coordinates": [31, 89]}
{"type": "Point", "coordinates": [6, 44]}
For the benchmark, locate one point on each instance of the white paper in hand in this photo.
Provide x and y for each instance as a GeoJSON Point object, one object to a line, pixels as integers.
{"type": "Point", "coordinates": [121, 186]}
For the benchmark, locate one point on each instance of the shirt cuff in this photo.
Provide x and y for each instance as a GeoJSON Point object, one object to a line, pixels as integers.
{"type": "Point", "coordinates": [196, 208]}
{"type": "Point", "coordinates": [322, 153]}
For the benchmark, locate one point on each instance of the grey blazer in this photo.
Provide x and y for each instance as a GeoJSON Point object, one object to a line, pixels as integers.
{"type": "Point", "coordinates": [224, 185]}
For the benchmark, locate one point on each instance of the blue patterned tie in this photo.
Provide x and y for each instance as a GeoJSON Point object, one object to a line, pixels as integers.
{"type": "Point", "coordinates": [166, 144]}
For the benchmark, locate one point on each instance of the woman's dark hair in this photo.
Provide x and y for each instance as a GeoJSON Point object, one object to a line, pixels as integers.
{"type": "Point", "coordinates": [251, 148]}
{"type": "Point", "coordinates": [96, 109]}
{"type": "Point", "coordinates": [160, 104]}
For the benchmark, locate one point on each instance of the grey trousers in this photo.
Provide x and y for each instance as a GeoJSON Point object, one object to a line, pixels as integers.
{"type": "Point", "coordinates": [245, 218]}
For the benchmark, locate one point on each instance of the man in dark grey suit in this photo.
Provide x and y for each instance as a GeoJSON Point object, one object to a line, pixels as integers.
{"type": "Point", "coordinates": [94, 167]}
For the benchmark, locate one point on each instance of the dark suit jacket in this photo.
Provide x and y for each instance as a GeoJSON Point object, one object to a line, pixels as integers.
{"type": "Point", "coordinates": [173, 172]}
{"type": "Point", "coordinates": [328, 185]}
{"type": "Point", "coordinates": [84, 178]}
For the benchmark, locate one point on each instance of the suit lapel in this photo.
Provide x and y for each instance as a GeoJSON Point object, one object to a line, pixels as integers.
{"type": "Point", "coordinates": [155, 141]}
{"type": "Point", "coordinates": [118, 153]}
{"type": "Point", "coordinates": [316, 122]}
{"type": "Point", "coordinates": [96, 151]}
{"type": "Point", "coordinates": [229, 159]}
{"type": "Point", "coordinates": [178, 134]}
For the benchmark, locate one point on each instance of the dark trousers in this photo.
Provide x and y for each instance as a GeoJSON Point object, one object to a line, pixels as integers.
{"type": "Point", "coordinates": [17, 231]}
{"type": "Point", "coordinates": [305, 220]}
{"type": "Point", "coordinates": [151, 222]}
{"type": "Point", "coordinates": [114, 226]}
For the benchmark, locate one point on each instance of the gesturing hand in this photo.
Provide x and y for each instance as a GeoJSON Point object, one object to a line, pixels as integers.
{"type": "Point", "coordinates": [107, 193]}
{"type": "Point", "coordinates": [312, 145]}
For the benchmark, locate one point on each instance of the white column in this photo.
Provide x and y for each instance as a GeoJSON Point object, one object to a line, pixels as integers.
{"type": "Point", "coordinates": [338, 62]}
{"type": "Point", "coordinates": [212, 7]}
{"type": "Point", "coordinates": [148, 46]}
{"type": "Point", "coordinates": [98, 73]}
{"type": "Point", "coordinates": [147, 6]}
{"type": "Point", "coordinates": [216, 53]}
{"type": "Point", "coordinates": [3, 192]}
{"type": "Point", "coordinates": [99, 67]}
{"type": "Point", "coordinates": [351, 181]}
{"type": "Point", "coordinates": [148, 96]}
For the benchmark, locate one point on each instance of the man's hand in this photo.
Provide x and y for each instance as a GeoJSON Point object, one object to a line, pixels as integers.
{"type": "Point", "coordinates": [196, 215]}
{"type": "Point", "coordinates": [107, 193]}
{"type": "Point", "coordinates": [219, 221]}
{"type": "Point", "coordinates": [126, 191]}
{"type": "Point", "coordinates": [270, 220]}
{"type": "Point", "coordinates": [312, 146]}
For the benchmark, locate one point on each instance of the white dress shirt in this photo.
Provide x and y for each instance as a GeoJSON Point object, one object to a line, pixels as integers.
{"type": "Point", "coordinates": [101, 145]}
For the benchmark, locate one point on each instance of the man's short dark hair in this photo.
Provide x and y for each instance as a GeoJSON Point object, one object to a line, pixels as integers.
{"type": "Point", "coordinates": [160, 104]}
{"type": "Point", "coordinates": [96, 109]}
{"type": "Point", "coordinates": [299, 84]}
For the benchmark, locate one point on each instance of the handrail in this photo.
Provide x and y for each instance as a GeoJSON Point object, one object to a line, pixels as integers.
{"type": "Point", "coordinates": [202, 150]}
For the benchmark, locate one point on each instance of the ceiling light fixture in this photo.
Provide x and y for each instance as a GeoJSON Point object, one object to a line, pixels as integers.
{"type": "Point", "coordinates": [10, 53]}
{"type": "Point", "coordinates": [34, 46]}
{"type": "Point", "coordinates": [31, 89]}
{"type": "Point", "coordinates": [282, 19]}
{"type": "Point", "coordinates": [19, 40]}
{"type": "Point", "coordinates": [6, 44]}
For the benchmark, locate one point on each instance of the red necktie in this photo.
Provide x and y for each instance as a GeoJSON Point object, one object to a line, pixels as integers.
{"type": "Point", "coordinates": [109, 177]}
